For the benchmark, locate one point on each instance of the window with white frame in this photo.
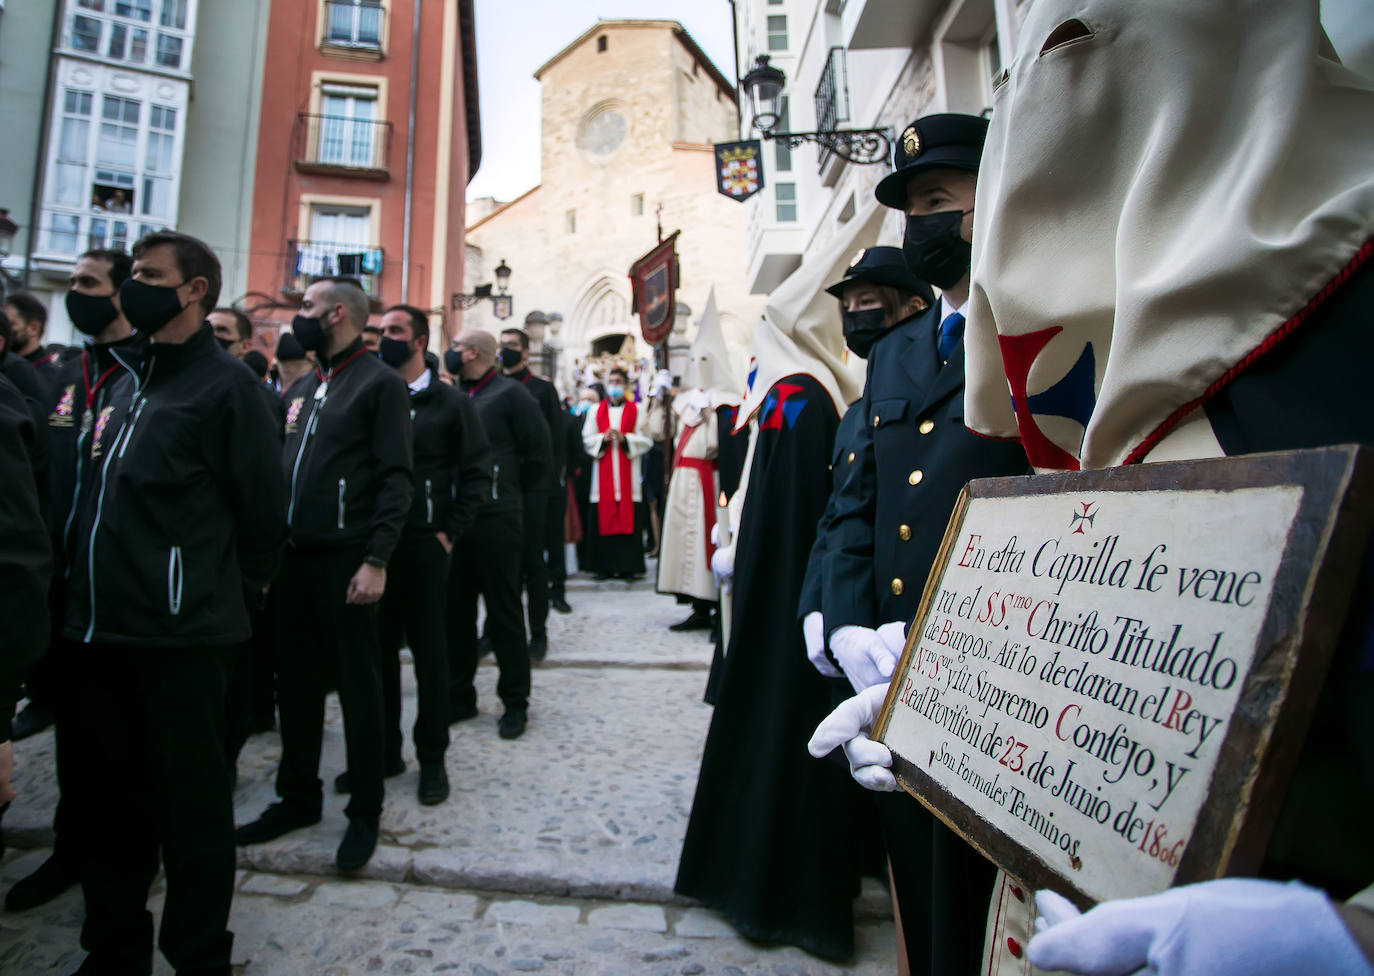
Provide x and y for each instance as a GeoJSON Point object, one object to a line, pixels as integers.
{"type": "Point", "coordinates": [777, 32]}
{"type": "Point", "coordinates": [349, 133]}
{"type": "Point", "coordinates": [353, 23]}
{"type": "Point", "coordinates": [151, 33]}
{"type": "Point", "coordinates": [785, 202]}
{"type": "Point", "coordinates": [113, 171]}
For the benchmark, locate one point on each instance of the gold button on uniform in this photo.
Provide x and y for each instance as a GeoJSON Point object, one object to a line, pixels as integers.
{"type": "Point", "coordinates": [926, 426]}
{"type": "Point", "coordinates": [904, 533]}
{"type": "Point", "coordinates": [914, 478]}
{"type": "Point", "coordinates": [851, 457]}
{"type": "Point", "coordinates": [897, 587]}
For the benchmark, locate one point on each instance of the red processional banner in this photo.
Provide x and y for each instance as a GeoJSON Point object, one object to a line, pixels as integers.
{"type": "Point", "coordinates": [654, 280]}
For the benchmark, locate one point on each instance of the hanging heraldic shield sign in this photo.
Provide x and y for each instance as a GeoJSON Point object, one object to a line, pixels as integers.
{"type": "Point", "coordinates": [654, 280]}
{"type": "Point", "coordinates": [1111, 673]}
{"type": "Point", "coordinates": [739, 173]}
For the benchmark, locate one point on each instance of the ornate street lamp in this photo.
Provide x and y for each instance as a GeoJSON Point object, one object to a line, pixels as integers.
{"type": "Point", "coordinates": [765, 85]}
{"type": "Point", "coordinates": [499, 298]}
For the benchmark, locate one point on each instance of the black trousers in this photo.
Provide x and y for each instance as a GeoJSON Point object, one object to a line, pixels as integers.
{"type": "Point", "coordinates": [253, 685]}
{"type": "Point", "coordinates": [534, 574]}
{"type": "Point", "coordinates": [554, 518]}
{"type": "Point", "coordinates": [412, 611]}
{"type": "Point", "coordinates": [146, 774]}
{"type": "Point", "coordinates": [488, 562]}
{"type": "Point", "coordinates": [319, 637]}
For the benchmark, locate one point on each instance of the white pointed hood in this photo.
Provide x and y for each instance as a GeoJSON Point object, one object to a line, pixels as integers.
{"type": "Point", "coordinates": [800, 329]}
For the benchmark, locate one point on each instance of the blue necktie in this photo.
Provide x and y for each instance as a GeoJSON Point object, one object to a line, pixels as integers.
{"type": "Point", "coordinates": [951, 331]}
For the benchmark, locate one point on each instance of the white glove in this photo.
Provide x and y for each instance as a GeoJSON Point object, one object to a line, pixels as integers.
{"type": "Point", "coordinates": [715, 534]}
{"type": "Point", "coordinates": [699, 400]}
{"type": "Point", "coordinates": [723, 567]}
{"type": "Point", "coordinates": [813, 630]}
{"type": "Point", "coordinates": [663, 380]}
{"type": "Point", "coordinates": [864, 655]}
{"type": "Point", "coordinates": [1235, 925]}
{"type": "Point", "coordinates": [869, 761]}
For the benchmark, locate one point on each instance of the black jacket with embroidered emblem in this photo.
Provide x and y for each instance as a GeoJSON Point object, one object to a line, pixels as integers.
{"type": "Point", "coordinates": [914, 456]}
{"type": "Point", "coordinates": [519, 437]}
{"type": "Point", "coordinates": [452, 461]}
{"type": "Point", "coordinates": [186, 506]}
{"type": "Point", "coordinates": [348, 456]}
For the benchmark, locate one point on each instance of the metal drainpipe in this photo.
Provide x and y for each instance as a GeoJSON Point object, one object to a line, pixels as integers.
{"type": "Point", "coordinates": [739, 108]}
{"type": "Point", "coordinates": [40, 164]}
{"type": "Point", "coordinates": [410, 151]}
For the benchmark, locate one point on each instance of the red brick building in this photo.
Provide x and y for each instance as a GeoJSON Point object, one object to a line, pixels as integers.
{"type": "Point", "coordinates": [369, 134]}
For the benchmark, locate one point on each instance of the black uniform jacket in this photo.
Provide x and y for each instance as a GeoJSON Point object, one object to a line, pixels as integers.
{"type": "Point", "coordinates": [913, 455]}
{"type": "Point", "coordinates": [348, 454]}
{"type": "Point", "coordinates": [88, 379]}
{"type": "Point", "coordinates": [842, 468]}
{"type": "Point", "coordinates": [46, 366]}
{"type": "Point", "coordinates": [452, 461]}
{"type": "Point", "coordinates": [25, 555]}
{"type": "Point", "coordinates": [186, 507]}
{"type": "Point", "coordinates": [551, 407]}
{"type": "Point", "coordinates": [519, 438]}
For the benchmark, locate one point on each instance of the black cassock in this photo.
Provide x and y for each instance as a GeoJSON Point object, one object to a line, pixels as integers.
{"type": "Point", "coordinates": [768, 844]}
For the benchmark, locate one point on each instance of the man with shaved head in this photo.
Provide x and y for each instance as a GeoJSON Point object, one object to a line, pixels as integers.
{"type": "Point", "coordinates": [347, 460]}
{"type": "Point", "coordinates": [488, 556]}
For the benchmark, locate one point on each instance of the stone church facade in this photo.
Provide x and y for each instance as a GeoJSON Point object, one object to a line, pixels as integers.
{"type": "Point", "coordinates": [630, 110]}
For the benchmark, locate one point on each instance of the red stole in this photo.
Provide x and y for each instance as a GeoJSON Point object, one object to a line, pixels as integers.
{"type": "Point", "coordinates": [706, 475]}
{"type": "Point", "coordinates": [615, 516]}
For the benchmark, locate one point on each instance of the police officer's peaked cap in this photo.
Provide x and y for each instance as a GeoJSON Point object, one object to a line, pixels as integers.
{"type": "Point", "coordinates": [949, 140]}
{"type": "Point", "coordinates": [882, 266]}
{"type": "Point", "coordinates": [289, 348]}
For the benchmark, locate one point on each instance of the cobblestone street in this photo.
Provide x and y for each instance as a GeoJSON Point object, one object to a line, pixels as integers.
{"type": "Point", "coordinates": [556, 853]}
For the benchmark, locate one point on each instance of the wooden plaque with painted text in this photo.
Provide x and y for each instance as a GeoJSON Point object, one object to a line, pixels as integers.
{"type": "Point", "coordinates": [1111, 673]}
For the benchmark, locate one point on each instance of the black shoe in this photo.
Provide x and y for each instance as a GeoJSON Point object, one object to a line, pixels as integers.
{"type": "Point", "coordinates": [512, 724]}
{"type": "Point", "coordinates": [601, 577]}
{"type": "Point", "coordinates": [539, 648]}
{"type": "Point", "coordinates": [276, 820]}
{"type": "Point", "coordinates": [33, 719]}
{"type": "Point", "coordinates": [697, 621]}
{"type": "Point", "coordinates": [433, 784]}
{"type": "Point", "coordinates": [97, 965]}
{"type": "Point", "coordinates": [483, 646]}
{"type": "Point", "coordinates": [262, 723]}
{"type": "Point", "coordinates": [49, 879]}
{"type": "Point", "coordinates": [560, 604]}
{"type": "Point", "coordinates": [359, 841]}
{"type": "Point", "coordinates": [461, 713]}
{"type": "Point", "coordinates": [394, 767]}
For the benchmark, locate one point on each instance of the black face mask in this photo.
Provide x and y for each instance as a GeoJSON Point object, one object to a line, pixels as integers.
{"type": "Point", "coordinates": [308, 332]}
{"type": "Point", "coordinates": [224, 343]}
{"type": "Point", "coordinates": [393, 352]}
{"type": "Point", "coordinates": [91, 313]}
{"type": "Point", "coordinates": [933, 249]}
{"type": "Point", "coordinates": [862, 329]}
{"type": "Point", "coordinates": [511, 358]}
{"type": "Point", "coordinates": [149, 307]}
{"type": "Point", "coordinates": [453, 362]}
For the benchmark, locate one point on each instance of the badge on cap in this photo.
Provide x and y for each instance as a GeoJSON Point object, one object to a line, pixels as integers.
{"type": "Point", "coordinates": [858, 257]}
{"type": "Point", "coordinates": [911, 142]}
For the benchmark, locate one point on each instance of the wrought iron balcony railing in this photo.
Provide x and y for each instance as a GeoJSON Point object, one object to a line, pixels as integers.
{"type": "Point", "coordinates": [832, 100]}
{"type": "Point", "coordinates": [308, 261]}
{"type": "Point", "coordinates": [333, 143]}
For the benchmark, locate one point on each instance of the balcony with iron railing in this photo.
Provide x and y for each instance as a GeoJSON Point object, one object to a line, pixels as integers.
{"type": "Point", "coordinates": [308, 261]}
{"type": "Point", "coordinates": [832, 101]}
{"type": "Point", "coordinates": [342, 145]}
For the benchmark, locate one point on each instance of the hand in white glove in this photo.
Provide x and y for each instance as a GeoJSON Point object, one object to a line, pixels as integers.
{"type": "Point", "coordinates": [813, 630]}
{"type": "Point", "coordinates": [699, 400]}
{"type": "Point", "coordinates": [869, 761]}
{"type": "Point", "coordinates": [723, 567]}
{"type": "Point", "coordinates": [1235, 925]}
{"type": "Point", "coordinates": [864, 656]}
{"type": "Point", "coordinates": [663, 380]}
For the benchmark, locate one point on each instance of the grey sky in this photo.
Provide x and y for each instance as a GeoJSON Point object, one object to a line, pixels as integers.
{"type": "Point", "coordinates": [514, 37]}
